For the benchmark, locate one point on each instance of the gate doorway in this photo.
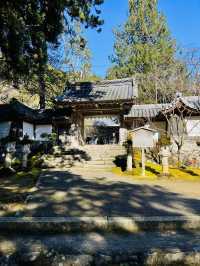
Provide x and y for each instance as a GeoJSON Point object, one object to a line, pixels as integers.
{"type": "Point", "coordinates": [101, 130]}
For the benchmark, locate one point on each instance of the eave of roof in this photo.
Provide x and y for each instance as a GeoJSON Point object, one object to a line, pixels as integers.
{"type": "Point", "coordinates": [17, 111]}
{"type": "Point", "coordinates": [145, 110]}
{"type": "Point", "coordinates": [103, 91]}
{"type": "Point", "coordinates": [190, 103]}
{"type": "Point", "coordinates": [143, 128]}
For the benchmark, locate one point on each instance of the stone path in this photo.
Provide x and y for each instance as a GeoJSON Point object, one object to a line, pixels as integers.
{"type": "Point", "coordinates": [79, 192]}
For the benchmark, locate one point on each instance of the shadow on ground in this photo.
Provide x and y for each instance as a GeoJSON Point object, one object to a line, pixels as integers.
{"type": "Point", "coordinates": [62, 193]}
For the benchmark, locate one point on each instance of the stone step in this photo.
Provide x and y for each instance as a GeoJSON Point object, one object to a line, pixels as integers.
{"type": "Point", "coordinates": [93, 156]}
{"type": "Point", "coordinates": [102, 157]}
{"type": "Point", "coordinates": [105, 151]}
{"type": "Point", "coordinates": [111, 155]}
{"type": "Point", "coordinates": [97, 163]}
{"type": "Point", "coordinates": [96, 167]}
{"type": "Point", "coordinates": [102, 223]}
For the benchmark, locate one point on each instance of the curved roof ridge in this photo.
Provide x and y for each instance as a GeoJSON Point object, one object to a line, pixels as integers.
{"type": "Point", "coordinates": [106, 90]}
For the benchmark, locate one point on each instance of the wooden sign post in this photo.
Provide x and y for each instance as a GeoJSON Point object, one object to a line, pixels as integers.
{"type": "Point", "coordinates": [143, 138]}
{"type": "Point", "coordinates": [143, 162]}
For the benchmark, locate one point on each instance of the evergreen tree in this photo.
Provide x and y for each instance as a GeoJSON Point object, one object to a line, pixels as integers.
{"type": "Point", "coordinates": [144, 43]}
{"type": "Point", "coordinates": [27, 26]}
{"type": "Point", "coordinates": [143, 47]}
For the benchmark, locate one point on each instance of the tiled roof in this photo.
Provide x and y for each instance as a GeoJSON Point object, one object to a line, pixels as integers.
{"type": "Point", "coordinates": [191, 101]}
{"type": "Point", "coordinates": [108, 90]}
{"type": "Point", "coordinates": [16, 110]}
{"type": "Point", "coordinates": [153, 110]}
{"type": "Point", "coordinates": [146, 110]}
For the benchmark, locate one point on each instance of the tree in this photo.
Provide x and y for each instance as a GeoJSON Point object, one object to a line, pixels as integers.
{"type": "Point", "coordinates": [27, 26]}
{"type": "Point", "coordinates": [183, 76]}
{"type": "Point", "coordinates": [143, 46]}
{"type": "Point", "coordinates": [72, 55]}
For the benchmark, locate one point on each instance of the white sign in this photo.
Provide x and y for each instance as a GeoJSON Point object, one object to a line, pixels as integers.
{"type": "Point", "coordinates": [144, 137]}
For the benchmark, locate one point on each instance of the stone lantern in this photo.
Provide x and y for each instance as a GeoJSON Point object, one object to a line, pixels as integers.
{"type": "Point", "coordinates": [25, 152]}
{"type": "Point", "coordinates": [10, 150]}
{"type": "Point", "coordinates": [165, 153]}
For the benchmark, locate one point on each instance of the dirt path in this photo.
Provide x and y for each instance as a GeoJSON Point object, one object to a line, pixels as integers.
{"type": "Point", "coordinates": [83, 193]}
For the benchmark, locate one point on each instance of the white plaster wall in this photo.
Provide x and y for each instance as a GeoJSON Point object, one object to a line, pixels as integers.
{"type": "Point", "coordinates": [41, 129]}
{"type": "Point", "coordinates": [4, 129]}
{"type": "Point", "coordinates": [28, 129]}
{"type": "Point", "coordinates": [193, 126]}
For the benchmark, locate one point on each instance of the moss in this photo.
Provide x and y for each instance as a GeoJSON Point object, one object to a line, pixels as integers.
{"type": "Point", "coordinates": [153, 172]}
{"type": "Point", "coordinates": [35, 161]}
{"type": "Point", "coordinates": [32, 174]}
{"type": "Point", "coordinates": [179, 174]}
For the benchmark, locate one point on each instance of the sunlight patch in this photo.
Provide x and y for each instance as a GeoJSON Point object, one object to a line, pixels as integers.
{"type": "Point", "coordinates": [59, 196]}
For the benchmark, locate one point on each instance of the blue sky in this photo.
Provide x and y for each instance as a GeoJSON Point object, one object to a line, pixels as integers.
{"type": "Point", "coordinates": [183, 18]}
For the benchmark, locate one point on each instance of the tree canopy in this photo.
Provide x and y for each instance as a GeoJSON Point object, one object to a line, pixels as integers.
{"type": "Point", "coordinates": [73, 55]}
{"type": "Point", "coordinates": [27, 26]}
{"type": "Point", "coordinates": [144, 48]}
{"type": "Point", "coordinates": [144, 42]}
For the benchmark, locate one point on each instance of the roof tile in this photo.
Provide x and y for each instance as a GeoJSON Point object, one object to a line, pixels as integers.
{"type": "Point", "coordinates": [108, 90]}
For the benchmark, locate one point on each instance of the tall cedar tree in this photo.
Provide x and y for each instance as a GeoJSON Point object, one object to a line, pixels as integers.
{"type": "Point", "coordinates": [143, 45]}
{"type": "Point", "coordinates": [27, 26]}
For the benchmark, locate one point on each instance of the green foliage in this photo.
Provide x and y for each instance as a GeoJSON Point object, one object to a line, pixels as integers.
{"type": "Point", "coordinates": [145, 49]}
{"type": "Point", "coordinates": [72, 55]}
{"type": "Point", "coordinates": [144, 42]}
{"type": "Point", "coordinates": [36, 161]}
{"type": "Point", "coordinates": [32, 174]}
{"type": "Point", "coordinates": [28, 26]}
{"type": "Point", "coordinates": [164, 140]}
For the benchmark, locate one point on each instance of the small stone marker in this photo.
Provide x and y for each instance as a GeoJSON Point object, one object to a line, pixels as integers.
{"type": "Point", "coordinates": [144, 137]}
{"type": "Point", "coordinates": [129, 162]}
{"type": "Point", "coordinates": [26, 150]}
{"type": "Point", "coordinates": [165, 160]}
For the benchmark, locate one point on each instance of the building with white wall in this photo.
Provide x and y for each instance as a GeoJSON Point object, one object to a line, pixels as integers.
{"type": "Point", "coordinates": [18, 120]}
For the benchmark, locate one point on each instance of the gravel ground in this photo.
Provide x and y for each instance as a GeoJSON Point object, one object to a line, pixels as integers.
{"type": "Point", "coordinates": [80, 192]}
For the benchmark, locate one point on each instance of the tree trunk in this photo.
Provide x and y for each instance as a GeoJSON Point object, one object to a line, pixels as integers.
{"type": "Point", "coordinates": [179, 157]}
{"type": "Point", "coordinates": [42, 89]}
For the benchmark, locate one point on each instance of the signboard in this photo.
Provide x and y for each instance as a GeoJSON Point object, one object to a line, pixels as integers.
{"type": "Point", "coordinates": [144, 137]}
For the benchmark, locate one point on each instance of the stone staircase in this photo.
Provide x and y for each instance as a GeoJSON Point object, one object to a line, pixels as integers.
{"type": "Point", "coordinates": [88, 156]}
{"type": "Point", "coordinates": [103, 156]}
